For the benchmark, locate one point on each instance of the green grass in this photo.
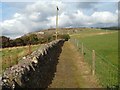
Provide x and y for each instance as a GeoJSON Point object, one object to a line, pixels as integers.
{"type": "Point", "coordinates": [87, 33]}
{"type": "Point", "coordinates": [106, 48]}
{"type": "Point", "coordinates": [11, 56]}
{"type": "Point", "coordinates": [105, 45]}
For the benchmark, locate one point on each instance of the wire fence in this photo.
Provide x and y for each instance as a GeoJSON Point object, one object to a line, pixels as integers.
{"type": "Point", "coordinates": [106, 72]}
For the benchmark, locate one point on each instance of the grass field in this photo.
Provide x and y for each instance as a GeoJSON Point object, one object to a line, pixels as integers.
{"type": "Point", "coordinates": [105, 44]}
{"type": "Point", "coordinates": [11, 56]}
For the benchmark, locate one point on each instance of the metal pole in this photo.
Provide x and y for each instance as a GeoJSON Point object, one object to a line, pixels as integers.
{"type": "Point", "coordinates": [57, 23]}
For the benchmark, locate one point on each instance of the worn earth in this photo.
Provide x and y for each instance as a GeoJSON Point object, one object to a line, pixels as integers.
{"type": "Point", "coordinates": [72, 71]}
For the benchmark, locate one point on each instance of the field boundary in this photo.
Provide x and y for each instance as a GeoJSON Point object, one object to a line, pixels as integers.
{"type": "Point", "coordinates": [99, 65]}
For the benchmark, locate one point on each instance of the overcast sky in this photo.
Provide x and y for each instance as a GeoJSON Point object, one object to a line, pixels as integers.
{"type": "Point", "coordinates": [19, 18]}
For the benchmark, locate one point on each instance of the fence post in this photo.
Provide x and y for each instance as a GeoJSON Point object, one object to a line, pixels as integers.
{"type": "Point", "coordinates": [75, 41]}
{"type": "Point", "coordinates": [77, 44]}
{"type": "Point", "coordinates": [82, 50]}
{"type": "Point", "coordinates": [17, 55]}
{"type": "Point", "coordinates": [93, 62]}
{"type": "Point", "coordinates": [29, 49]}
{"type": "Point", "coordinates": [9, 58]}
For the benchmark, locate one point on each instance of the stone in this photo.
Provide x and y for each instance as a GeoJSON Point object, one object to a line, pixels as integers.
{"type": "Point", "coordinates": [35, 60]}
{"type": "Point", "coordinates": [40, 62]}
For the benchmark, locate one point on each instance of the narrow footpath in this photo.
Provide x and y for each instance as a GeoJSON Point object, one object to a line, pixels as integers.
{"type": "Point", "coordinates": [72, 71]}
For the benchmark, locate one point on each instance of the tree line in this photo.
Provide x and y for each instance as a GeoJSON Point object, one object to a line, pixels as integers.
{"type": "Point", "coordinates": [111, 28]}
{"type": "Point", "coordinates": [28, 39]}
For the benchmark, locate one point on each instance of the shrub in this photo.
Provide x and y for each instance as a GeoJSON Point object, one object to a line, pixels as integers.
{"type": "Point", "coordinates": [65, 36]}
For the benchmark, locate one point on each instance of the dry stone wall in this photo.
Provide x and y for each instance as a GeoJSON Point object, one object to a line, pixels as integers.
{"type": "Point", "coordinates": [34, 71]}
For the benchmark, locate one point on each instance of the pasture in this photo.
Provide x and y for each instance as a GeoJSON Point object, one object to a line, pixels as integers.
{"type": "Point", "coordinates": [11, 56]}
{"type": "Point", "coordinates": [105, 44]}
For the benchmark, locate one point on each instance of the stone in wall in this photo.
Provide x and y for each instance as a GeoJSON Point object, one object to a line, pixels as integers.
{"type": "Point", "coordinates": [34, 71]}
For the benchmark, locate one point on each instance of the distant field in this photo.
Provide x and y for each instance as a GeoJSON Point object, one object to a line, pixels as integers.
{"type": "Point", "coordinates": [91, 32]}
{"type": "Point", "coordinates": [105, 44]}
{"type": "Point", "coordinates": [11, 56]}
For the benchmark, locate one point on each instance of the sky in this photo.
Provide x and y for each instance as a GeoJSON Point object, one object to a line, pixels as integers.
{"type": "Point", "coordinates": [21, 17]}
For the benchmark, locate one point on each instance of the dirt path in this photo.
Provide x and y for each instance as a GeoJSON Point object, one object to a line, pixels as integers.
{"type": "Point", "coordinates": [72, 72]}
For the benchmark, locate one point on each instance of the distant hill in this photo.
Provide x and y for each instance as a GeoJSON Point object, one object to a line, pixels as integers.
{"type": "Point", "coordinates": [39, 37]}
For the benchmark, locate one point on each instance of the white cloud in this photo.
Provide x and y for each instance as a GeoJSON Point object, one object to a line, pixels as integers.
{"type": "Point", "coordinates": [43, 15]}
{"type": "Point", "coordinates": [104, 17]}
{"type": "Point", "coordinates": [80, 19]}
{"type": "Point", "coordinates": [116, 11]}
{"type": "Point", "coordinates": [64, 20]}
{"type": "Point", "coordinates": [12, 26]}
{"type": "Point", "coordinates": [15, 26]}
{"type": "Point", "coordinates": [16, 15]}
{"type": "Point", "coordinates": [34, 16]}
